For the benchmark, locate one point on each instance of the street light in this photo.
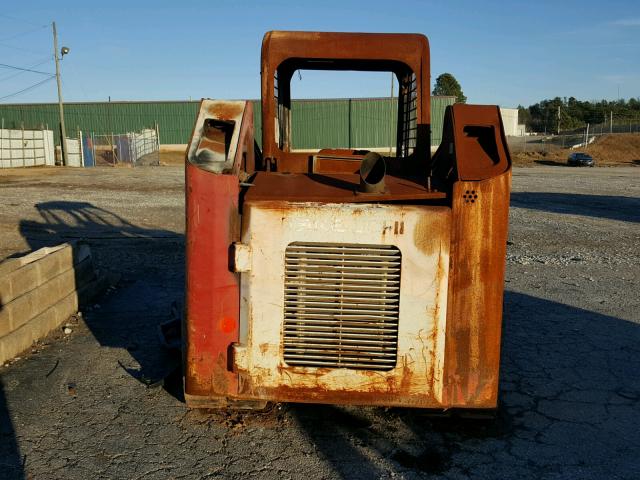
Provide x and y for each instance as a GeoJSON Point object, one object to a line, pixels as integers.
{"type": "Point", "coordinates": [63, 131]}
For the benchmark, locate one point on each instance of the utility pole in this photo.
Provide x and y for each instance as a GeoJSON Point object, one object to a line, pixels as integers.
{"type": "Point", "coordinates": [586, 138]}
{"type": "Point", "coordinates": [391, 123]}
{"type": "Point", "coordinates": [63, 130]}
{"type": "Point", "coordinates": [611, 121]}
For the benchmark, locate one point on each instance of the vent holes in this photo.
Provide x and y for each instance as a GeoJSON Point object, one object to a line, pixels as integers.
{"type": "Point", "coordinates": [470, 196]}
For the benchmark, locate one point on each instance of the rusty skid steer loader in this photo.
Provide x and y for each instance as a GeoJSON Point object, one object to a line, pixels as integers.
{"type": "Point", "coordinates": [341, 276]}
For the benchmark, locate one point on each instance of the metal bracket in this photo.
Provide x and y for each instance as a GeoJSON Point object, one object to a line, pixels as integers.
{"type": "Point", "coordinates": [241, 257]}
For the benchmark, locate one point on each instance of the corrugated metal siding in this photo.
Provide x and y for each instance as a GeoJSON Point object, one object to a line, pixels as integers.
{"type": "Point", "coordinates": [369, 122]}
{"type": "Point", "coordinates": [438, 106]}
{"type": "Point", "coordinates": [323, 123]}
{"type": "Point", "coordinates": [257, 122]}
{"type": "Point", "coordinates": [315, 123]}
{"type": "Point", "coordinates": [373, 123]}
{"type": "Point", "coordinates": [175, 119]}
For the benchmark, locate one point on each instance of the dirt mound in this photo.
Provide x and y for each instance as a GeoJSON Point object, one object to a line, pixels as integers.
{"type": "Point", "coordinates": [172, 157]}
{"type": "Point", "coordinates": [607, 150]}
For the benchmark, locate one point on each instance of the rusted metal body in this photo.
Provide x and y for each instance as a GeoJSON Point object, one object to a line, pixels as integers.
{"type": "Point", "coordinates": [318, 278]}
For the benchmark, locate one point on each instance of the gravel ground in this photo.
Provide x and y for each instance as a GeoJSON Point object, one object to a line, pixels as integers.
{"type": "Point", "coordinates": [87, 405]}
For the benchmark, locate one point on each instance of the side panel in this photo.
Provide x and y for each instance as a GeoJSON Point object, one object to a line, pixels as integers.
{"type": "Point", "coordinates": [476, 284]}
{"type": "Point", "coordinates": [212, 290]}
{"type": "Point", "coordinates": [216, 163]}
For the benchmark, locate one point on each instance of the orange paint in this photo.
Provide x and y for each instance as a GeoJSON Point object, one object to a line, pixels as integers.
{"type": "Point", "coordinates": [227, 325]}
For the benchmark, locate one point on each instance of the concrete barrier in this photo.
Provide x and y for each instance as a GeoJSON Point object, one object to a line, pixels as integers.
{"type": "Point", "coordinates": [40, 291]}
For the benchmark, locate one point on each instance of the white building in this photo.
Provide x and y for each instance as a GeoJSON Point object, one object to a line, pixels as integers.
{"type": "Point", "coordinates": [510, 122]}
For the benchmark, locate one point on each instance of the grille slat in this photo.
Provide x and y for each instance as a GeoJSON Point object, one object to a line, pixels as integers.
{"type": "Point", "coordinates": [357, 264]}
{"type": "Point", "coordinates": [340, 310]}
{"type": "Point", "coordinates": [344, 364]}
{"type": "Point", "coordinates": [339, 316]}
{"type": "Point", "coordinates": [350, 354]}
{"type": "Point", "coordinates": [341, 305]}
{"type": "Point", "coordinates": [346, 333]}
{"type": "Point", "coordinates": [324, 300]}
{"type": "Point", "coordinates": [354, 343]}
{"type": "Point", "coordinates": [319, 291]}
{"type": "Point", "coordinates": [315, 280]}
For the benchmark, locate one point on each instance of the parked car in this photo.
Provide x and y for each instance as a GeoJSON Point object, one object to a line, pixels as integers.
{"type": "Point", "coordinates": [580, 159]}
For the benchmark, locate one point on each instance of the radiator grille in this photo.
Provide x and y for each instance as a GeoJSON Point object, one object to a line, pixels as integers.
{"type": "Point", "coordinates": [341, 305]}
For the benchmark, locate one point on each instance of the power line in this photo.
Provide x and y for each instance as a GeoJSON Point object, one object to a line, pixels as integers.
{"type": "Point", "coordinates": [20, 20]}
{"type": "Point", "coordinates": [31, 87]}
{"type": "Point", "coordinates": [26, 50]}
{"type": "Point", "coordinates": [23, 33]}
{"type": "Point", "coordinates": [24, 69]}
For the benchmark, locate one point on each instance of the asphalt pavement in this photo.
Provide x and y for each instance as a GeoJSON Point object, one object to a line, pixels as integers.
{"type": "Point", "coordinates": [91, 404]}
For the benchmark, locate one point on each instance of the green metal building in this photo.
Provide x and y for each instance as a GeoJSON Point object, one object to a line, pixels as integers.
{"type": "Point", "coordinates": [338, 123]}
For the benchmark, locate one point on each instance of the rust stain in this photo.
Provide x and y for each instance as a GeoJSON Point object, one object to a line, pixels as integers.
{"type": "Point", "coordinates": [224, 110]}
{"type": "Point", "coordinates": [234, 225]}
{"type": "Point", "coordinates": [333, 188]}
{"type": "Point", "coordinates": [245, 222]}
{"type": "Point", "coordinates": [220, 382]}
{"type": "Point", "coordinates": [244, 384]}
{"type": "Point", "coordinates": [475, 292]}
{"type": "Point", "coordinates": [337, 164]}
{"type": "Point", "coordinates": [432, 230]}
{"type": "Point", "coordinates": [407, 375]}
{"type": "Point", "coordinates": [433, 337]}
{"type": "Point", "coordinates": [213, 145]}
{"type": "Point", "coordinates": [358, 51]}
{"type": "Point", "coordinates": [385, 396]}
{"type": "Point", "coordinates": [196, 381]}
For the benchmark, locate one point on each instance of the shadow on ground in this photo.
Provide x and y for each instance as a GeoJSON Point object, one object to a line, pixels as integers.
{"type": "Point", "coordinates": [128, 320]}
{"type": "Point", "coordinates": [570, 387]}
{"type": "Point", "coordinates": [570, 407]}
{"type": "Point", "coordinates": [626, 209]}
{"type": "Point", "coordinates": [552, 163]}
{"type": "Point", "coordinates": [11, 464]}
{"type": "Point", "coordinates": [131, 318]}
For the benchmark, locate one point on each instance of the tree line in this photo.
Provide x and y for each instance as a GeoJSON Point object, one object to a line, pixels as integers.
{"type": "Point", "coordinates": [564, 114]}
{"type": "Point", "coordinates": [573, 114]}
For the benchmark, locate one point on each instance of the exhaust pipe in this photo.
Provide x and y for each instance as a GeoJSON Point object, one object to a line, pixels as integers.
{"type": "Point", "coordinates": [372, 172]}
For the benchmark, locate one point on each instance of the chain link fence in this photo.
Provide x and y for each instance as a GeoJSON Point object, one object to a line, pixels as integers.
{"type": "Point", "coordinates": [127, 149]}
{"type": "Point", "coordinates": [547, 143]}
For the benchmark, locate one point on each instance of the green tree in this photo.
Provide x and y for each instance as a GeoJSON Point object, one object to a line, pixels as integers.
{"type": "Point", "coordinates": [524, 116]}
{"type": "Point", "coordinates": [446, 84]}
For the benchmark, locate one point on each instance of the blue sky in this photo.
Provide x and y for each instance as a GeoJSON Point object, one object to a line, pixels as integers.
{"type": "Point", "coordinates": [505, 53]}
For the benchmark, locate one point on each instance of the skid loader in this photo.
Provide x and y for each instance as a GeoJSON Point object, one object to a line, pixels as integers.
{"type": "Point", "coordinates": [344, 276]}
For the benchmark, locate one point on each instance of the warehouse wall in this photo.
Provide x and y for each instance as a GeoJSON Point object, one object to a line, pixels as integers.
{"type": "Point", "coordinates": [510, 121]}
{"type": "Point", "coordinates": [349, 123]}
{"type": "Point", "coordinates": [175, 119]}
{"type": "Point", "coordinates": [315, 123]}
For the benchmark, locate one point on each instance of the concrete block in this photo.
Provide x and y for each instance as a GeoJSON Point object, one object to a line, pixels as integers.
{"type": "Point", "coordinates": [23, 308]}
{"type": "Point", "coordinates": [21, 275]}
{"type": "Point", "coordinates": [19, 340]}
{"type": "Point", "coordinates": [12, 264]}
{"type": "Point", "coordinates": [41, 325]}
